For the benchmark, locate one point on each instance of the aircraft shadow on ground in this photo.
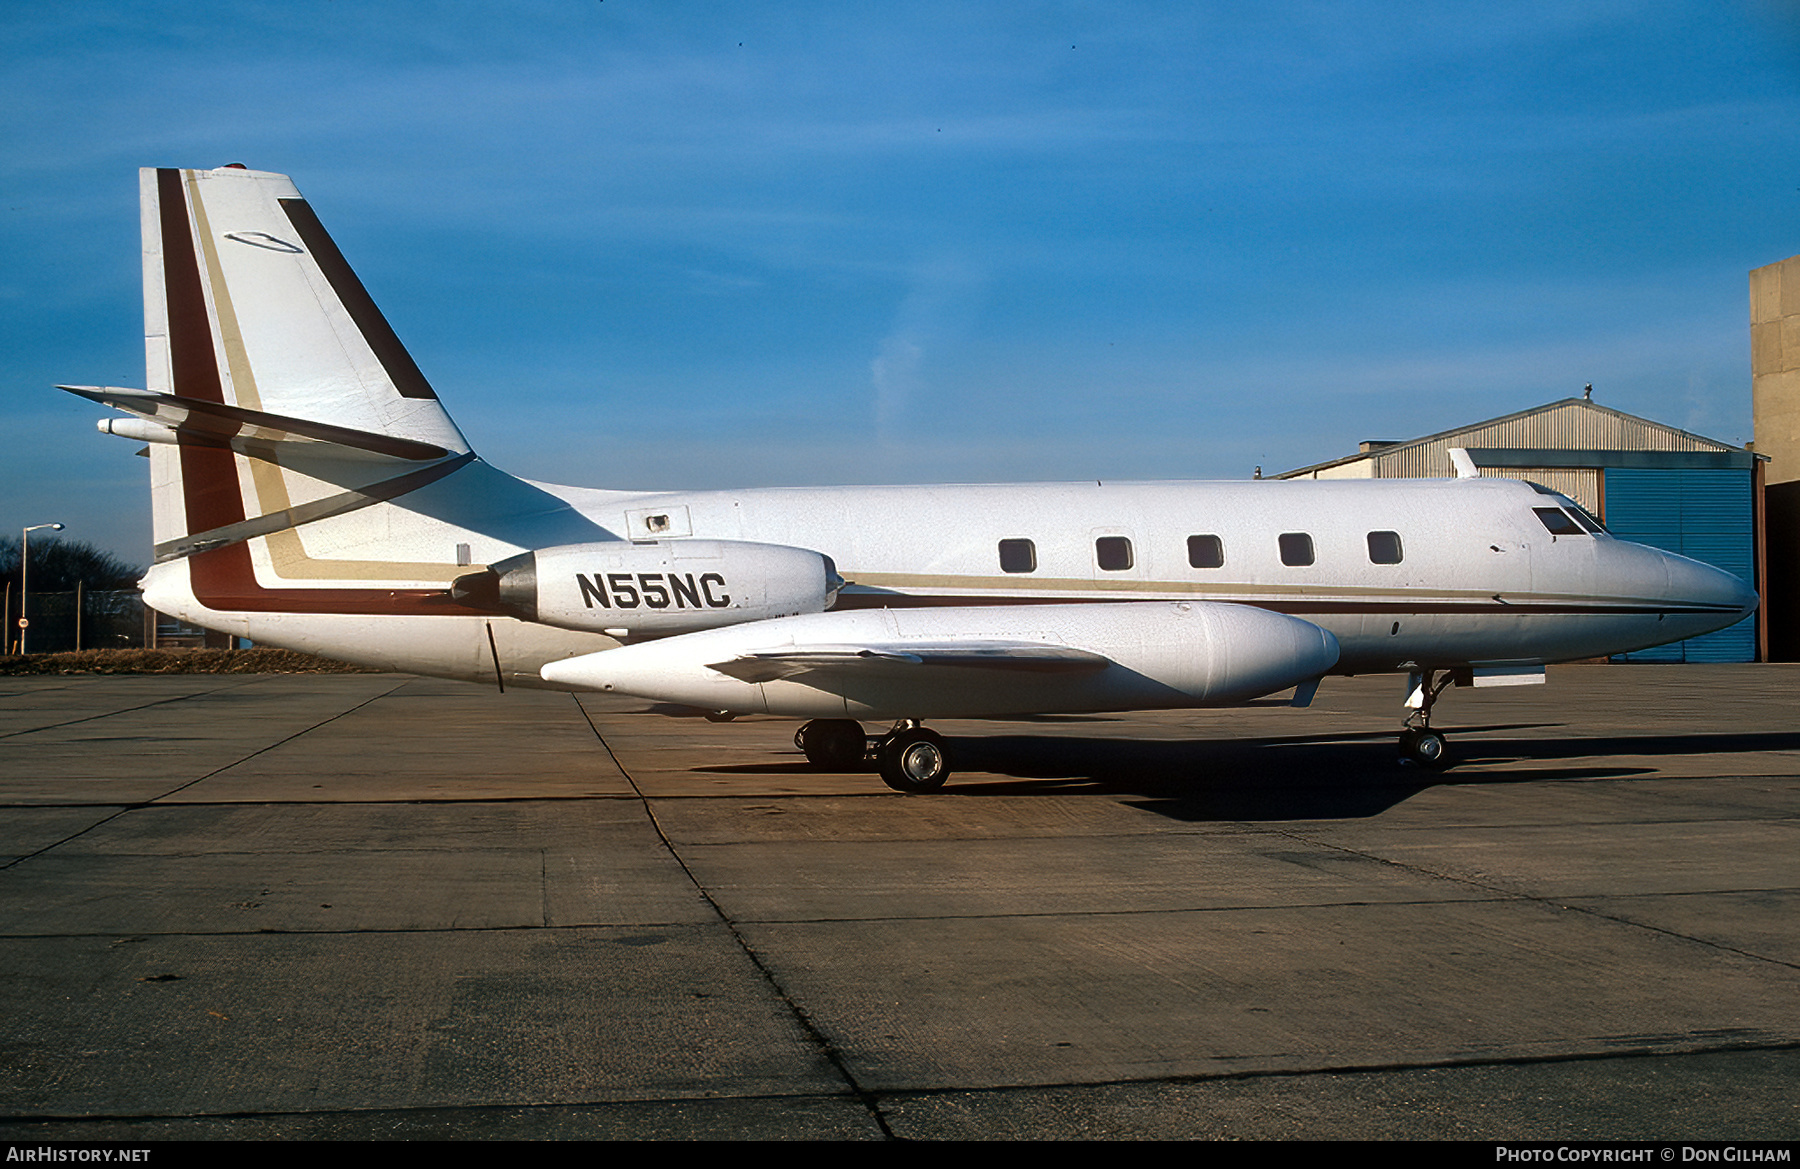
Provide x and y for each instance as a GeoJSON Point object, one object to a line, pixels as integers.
{"type": "Point", "coordinates": [1299, 777]}
{"type": "Point", "coordinates": [1308, 778]}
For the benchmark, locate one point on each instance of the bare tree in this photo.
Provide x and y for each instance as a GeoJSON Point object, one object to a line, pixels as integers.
{"type": "Point", "coordinates": [57, 565]}
{"type": "Point", "coordinates": [80, 596]}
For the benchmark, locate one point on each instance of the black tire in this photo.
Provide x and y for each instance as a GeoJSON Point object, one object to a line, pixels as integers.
{"type": "Point", "coordinates": [832, 744]}
{"type": "Point", "coordinates": [915, 761]}
{"type": "Point", "coordinates": [1425, 748]}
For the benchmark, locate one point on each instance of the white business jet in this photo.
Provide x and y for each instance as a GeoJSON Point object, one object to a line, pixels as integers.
{"type": "Point", "coordinates": [310, 491]}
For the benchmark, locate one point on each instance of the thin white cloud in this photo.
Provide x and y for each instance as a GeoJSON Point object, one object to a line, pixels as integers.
{"type": "Point", "coordinates": [937, 308]}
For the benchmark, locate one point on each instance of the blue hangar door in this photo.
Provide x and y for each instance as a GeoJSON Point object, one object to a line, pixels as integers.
{"type": "Point", "coordinates": [1706, 514]}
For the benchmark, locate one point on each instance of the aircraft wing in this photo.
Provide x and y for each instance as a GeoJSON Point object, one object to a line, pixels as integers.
{"type": "Point", "coordinates": [1034, 657]}
{"type": "Point", "coordinates": [968, 662]}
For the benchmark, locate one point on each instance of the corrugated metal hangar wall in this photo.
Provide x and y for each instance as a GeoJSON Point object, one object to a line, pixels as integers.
{"type": "Point", "coordinates": [1702, 512]}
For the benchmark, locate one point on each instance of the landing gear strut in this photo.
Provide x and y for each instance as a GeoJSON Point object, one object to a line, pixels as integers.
{"type": "Point", "coordinates": [1420, 745]}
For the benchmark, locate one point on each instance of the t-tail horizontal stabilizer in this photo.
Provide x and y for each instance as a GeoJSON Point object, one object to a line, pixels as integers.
{"type": "Point", "coordinates": [171, 418]}
{"type": "Point", "coordinates": [174, 420]}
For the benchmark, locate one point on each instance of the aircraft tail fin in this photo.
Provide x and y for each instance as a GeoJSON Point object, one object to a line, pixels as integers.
{"type": "Point", "coordinates": [248, 303]}
{"type": "Point", "coordinates": [296, 450]}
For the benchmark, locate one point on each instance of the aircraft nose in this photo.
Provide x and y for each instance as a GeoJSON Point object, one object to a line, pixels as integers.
{"type": "Point", "coordinates": [1690, 584]}
{"type": "Point", "coordinates": [1714, 599]}
{"type": "Point", "coordinates": [1714, 588]}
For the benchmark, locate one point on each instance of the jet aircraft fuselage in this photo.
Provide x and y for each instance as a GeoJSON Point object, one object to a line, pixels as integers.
{"type": "Point", "coordinates": [309, 490]}
{"type": "Point", "coordinates": [1402, 572]}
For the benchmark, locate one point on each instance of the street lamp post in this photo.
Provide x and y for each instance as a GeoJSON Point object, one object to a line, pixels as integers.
{"type": "Point", "coordinates": [24, 583]}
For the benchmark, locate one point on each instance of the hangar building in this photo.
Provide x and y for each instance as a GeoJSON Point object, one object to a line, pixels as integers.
{"type": "Point", "coordinates": [1645, 481]}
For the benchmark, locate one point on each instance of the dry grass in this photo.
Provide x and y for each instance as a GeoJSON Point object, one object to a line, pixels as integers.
{"type": "Point", "coordinates": [257, 660]}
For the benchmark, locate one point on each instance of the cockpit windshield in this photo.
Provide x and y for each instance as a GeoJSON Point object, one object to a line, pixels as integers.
{"type": "Point", "coordinates": [1576, 515]}
{"type": "Point", "coordinates": [1557, 521]}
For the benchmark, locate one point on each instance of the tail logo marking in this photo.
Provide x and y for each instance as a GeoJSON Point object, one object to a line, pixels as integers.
{"type": "Point", "coordinates": [262, 239]}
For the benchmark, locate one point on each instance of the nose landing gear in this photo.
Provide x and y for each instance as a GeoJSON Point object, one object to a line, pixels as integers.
{"type": "Point", "coordinates": [1420, 745]}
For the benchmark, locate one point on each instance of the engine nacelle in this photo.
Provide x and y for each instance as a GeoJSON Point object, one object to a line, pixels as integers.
{"type": "Point", "coordinates": [639, 590]}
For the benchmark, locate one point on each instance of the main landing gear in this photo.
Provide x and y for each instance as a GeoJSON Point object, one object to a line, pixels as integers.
{"type": "Point", "coordinates": [1420, 745]}
{"type": "Point", "coordinates": [832, 744]}
{"type": "Point", "coordinates": [910, 758]}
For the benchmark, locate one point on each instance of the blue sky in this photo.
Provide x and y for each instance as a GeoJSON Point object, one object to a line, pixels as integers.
{"type": "Point", "coordinates": [667, 244]}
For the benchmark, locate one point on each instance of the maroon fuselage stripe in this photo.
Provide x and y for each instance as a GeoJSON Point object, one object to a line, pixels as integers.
{"type": "Point", "coordinates": [224, 578]}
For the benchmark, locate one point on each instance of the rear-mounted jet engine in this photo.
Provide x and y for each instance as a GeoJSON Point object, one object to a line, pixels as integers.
{"type": "Point", "coordinates": [640, 590]}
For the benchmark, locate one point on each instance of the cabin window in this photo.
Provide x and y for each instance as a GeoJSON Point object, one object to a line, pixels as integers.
{"type": "Point", "coordinates": [1558, 521]}
{"type": "Point", "coordinates": [1296, 549]}
{"type": "Point", "coordinates": [1205, 552]}
{"type": "Point", "coordinates": [1112, 553]}
{"type": "Point", "coordinates": [1384, 548]}
{"type": "Point", "coordinates": [1018, 556]}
